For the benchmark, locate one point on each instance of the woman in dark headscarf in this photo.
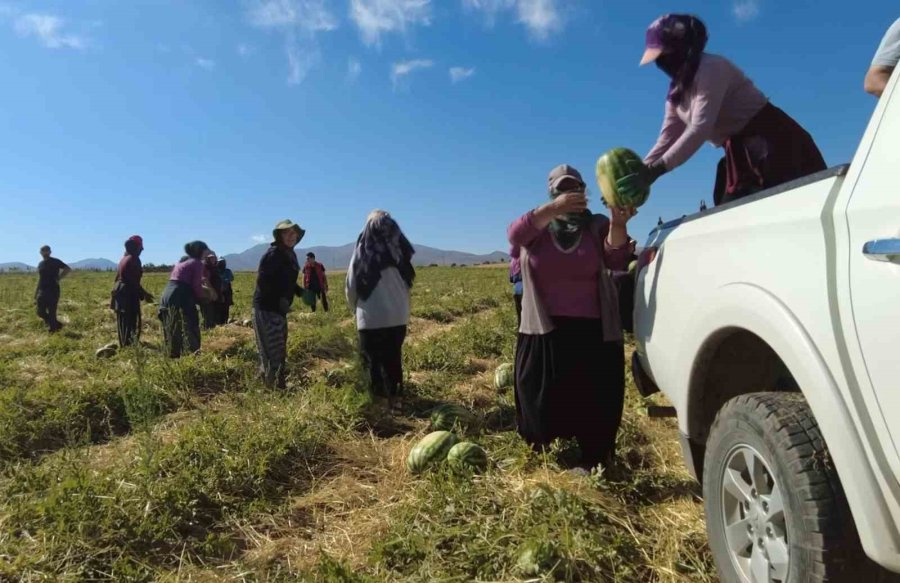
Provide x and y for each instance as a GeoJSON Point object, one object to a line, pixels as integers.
{"type": "Point", "coordinates": [570, 363]}
{"type": "Point", "coordinates": [127, 292]}
{"type": "Point", "coordinates": [276, 286]}
{"type": "Point", "coordinates": [378, 282]}
{"type": "Point", "coordinates": [178, 303]}
{"type": "Point", "coordinates": [711, 100]}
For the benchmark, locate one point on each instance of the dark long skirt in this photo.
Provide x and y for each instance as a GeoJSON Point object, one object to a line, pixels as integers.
{"type": "Point", "coordinates": [382, 354]}
{"type": "Point", "coordinates": [771, 149]}
{"type": "Point", "coordinates": [181, 324]}
{"type": "Point", "coordinates": [271, 342]}
{"type": "Point", "coordinates": [128, 324]}
{"type": "Point", "coordinates": [570, 383]}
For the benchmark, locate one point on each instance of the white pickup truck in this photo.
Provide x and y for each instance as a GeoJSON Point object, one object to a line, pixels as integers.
{"type": "Point", "coordinates": [772, 325]}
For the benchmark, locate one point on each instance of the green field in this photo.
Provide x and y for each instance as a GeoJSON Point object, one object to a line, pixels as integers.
{"type": "Point", "coordinates": [143, 468]}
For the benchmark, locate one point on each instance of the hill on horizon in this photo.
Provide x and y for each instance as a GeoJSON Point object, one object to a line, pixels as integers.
{"type": "Point", "coordinates": [333, 257]}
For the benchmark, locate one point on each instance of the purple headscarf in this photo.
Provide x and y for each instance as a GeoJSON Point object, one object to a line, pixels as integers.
{"type": "Point", "coordinates": [682, 38]}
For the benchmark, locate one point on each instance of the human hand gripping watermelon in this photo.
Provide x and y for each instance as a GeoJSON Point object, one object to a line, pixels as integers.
{"type": "Point", "coordinates": [624, 179]}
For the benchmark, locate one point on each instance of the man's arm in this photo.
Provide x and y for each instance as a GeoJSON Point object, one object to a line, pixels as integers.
{"type": "Point", "coordinates": [886, 58]}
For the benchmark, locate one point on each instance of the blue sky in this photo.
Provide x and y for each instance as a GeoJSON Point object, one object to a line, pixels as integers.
{"type": "Point", "coordinates": [213, 119]}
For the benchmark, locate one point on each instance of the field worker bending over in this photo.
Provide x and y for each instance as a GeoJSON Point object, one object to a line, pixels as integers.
{"type": "Point", "coordinates": [276, 286]}
{"type": "Point", "coordinates": [178, 303]}
{"type": "Point", "coordinates": [886, 58]}
{"type": "Point", "coordinates": [378, 282]}
{"type": "Point", "coordinates": [570, 362]}
{"type": "Point", "coordinates": [211, 311]}
{"type": "Point", "coordinates": [711, 100]}
{"type": "Point", "coordinates": [127, 292]}
{"type": "Point", "coordinates": [50, 271]}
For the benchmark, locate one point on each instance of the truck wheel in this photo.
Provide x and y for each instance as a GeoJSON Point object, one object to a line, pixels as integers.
{"type": "Point", "coordinates": [775, 509]}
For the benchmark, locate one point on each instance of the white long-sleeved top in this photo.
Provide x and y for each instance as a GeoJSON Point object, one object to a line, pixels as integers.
{"type": "Point", "coordinates": [386, 307]}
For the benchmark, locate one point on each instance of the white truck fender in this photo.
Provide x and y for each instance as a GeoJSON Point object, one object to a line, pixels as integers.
{"type": "Point", "coordinates": [743, 306]}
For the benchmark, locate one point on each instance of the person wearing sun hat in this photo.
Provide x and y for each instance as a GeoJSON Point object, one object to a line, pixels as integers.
{"type": "Point", "coordinates": [711, 100]}
{"type": "Point", "coordinates": [276, 286]}
{"type": "Point", "coordinates": [128, 293]}
{"type": "Point", "coordinates": [570, 362]}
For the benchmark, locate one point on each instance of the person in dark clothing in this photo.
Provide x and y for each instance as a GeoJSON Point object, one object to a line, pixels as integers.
{"type": "Point", "coordinates": [178, 303]}
{"type": "Point", "coordinates": [276, 286]}
{"type": "Point", "coordinates": [211, 310]}
{"type": "Point", "coordinates": [127, 292]}
{"type": "Point", "coordinates": [50, 271]}
{"type": "Point", "coordinates": [226, 297]}
{"type": "Point", "coordinates": [314, 281]}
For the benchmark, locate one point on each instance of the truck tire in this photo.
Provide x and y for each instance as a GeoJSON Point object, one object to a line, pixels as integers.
{"type": "Point", "coordinates": [775, 509]}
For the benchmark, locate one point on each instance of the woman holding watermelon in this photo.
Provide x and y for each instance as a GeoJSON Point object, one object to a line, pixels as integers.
{"type": "Point", "coordinates": [570, 367]}
{"type": "Point", "coordinates": [711, 100]}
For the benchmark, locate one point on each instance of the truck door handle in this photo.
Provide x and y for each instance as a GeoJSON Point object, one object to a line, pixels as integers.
{"type": "Point", "coordinates": [882, 249]}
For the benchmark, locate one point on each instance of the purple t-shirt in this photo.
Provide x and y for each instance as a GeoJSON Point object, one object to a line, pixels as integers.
{"type": "Point", "coordinates": [191, 273]}
{"type": "Point", "coordinates": [567, 281]}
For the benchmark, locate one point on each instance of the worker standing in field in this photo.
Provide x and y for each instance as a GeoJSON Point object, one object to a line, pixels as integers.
{"type": "Point", "coordinates": [50, 271]}
{"type": "Point", "coordinates": [378, 285]}
{"type": "Point", "coordinates": [711, 100]}
{"type": "Point", "coordinates": [210, 309]}
{"type": "Point", "coordinates": [226, 297]}
{"type": "Point", "coordinates": [570, 363]}
{"type": "Point", "coordinates": [276, 286]}
{"type": "Point", "coordinates": [515, 278]}
{"type": "Point", "coordinates": [886, 58]}
{"type": "Point", "coordinates": [314, 281]}
{"type": "Point", "coordinates": [128, 293]}
{"type": "Point", "coordinates": [178, 303]}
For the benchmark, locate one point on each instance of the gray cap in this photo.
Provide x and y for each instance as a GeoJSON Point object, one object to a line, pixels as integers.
{"type": "Point", "coordinates": [560, 173]}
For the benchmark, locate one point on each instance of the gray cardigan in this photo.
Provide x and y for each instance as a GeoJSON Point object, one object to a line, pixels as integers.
{"type": "Point", "coordinates": [387, 307]}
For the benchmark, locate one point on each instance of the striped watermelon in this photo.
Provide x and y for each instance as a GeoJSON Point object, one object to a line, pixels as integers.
{"type": "Point", "coordinates": [466, 455]}
{"type": "Point", "coordinates": [503, 376]}
{"type": "Point", "coordinates": [610, 167]}
{"type": "Point", "coordinates": [450, 416]}
{"type": "Point", "coordinates": [431, 450]}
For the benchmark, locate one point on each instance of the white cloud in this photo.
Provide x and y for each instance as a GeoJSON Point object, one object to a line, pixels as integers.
{"type": "Point", "coordinates": [308, 15]}
{"type": "Point", "coordinates": [404, 68]}
{"type": "Point", "coordinates": [745, 10]}
{"type": "Point", "coordinates": [354, 68]}
{"type": "Point", "coordinates": [374, 18]}
{"type": "Point", "coordinates": [244, 50]}
{"type": "Point", "coordinates": [259, 239]}
{"type": "Point", "coordinates": [458, 74]}
{"type": "Point", "coordinates": [542, 18]}
{"type": "Point", "coordinates": [207, 64]}
{"type": "Point", "coordinates": [299, 21]}
{"type": "Point", "coordinates": [48, 30]}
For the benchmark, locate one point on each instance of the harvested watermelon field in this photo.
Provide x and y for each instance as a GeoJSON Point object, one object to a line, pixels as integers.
{"type": "Point", "coordinates": [137, 467]}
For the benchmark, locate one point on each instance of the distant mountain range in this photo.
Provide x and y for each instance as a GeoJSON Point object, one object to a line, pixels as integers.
{"type": "Point", "coordinates": [339, 257]}
{"type": "Point", "coordinates": [331, 257]}
{"type": "Point", "coordinates": [98, 264]}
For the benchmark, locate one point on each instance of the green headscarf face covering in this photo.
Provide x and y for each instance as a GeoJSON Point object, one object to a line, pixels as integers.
{"type": "Point", "coordinates": [567, 228]}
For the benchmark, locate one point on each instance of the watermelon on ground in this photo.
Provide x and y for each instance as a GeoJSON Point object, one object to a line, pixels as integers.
{"type": "Point", "coordinates": [467, 455]}
{"type": "Point", "coordinates": [612, 166]}
{"type": "Point", "coordinates": [431, 450]}
{"type": "Point", "coordinates": [503, 376]}
{"type": "Point", "coordinates": [450, 416]}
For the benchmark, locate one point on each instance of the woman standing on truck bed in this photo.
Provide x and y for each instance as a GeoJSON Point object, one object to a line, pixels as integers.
{"type": "Point", "coordinates": [570, 364]}
{"type": "Point", "coordinates": [710, 99]}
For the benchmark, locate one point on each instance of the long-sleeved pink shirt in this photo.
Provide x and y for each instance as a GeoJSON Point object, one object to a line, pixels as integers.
{"type": "Point", "coordinates": [567, 281]}
{"type": "Point", "coordinates": [717, 105]}
{"type": "Point", "coordinates": [191, 273]}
